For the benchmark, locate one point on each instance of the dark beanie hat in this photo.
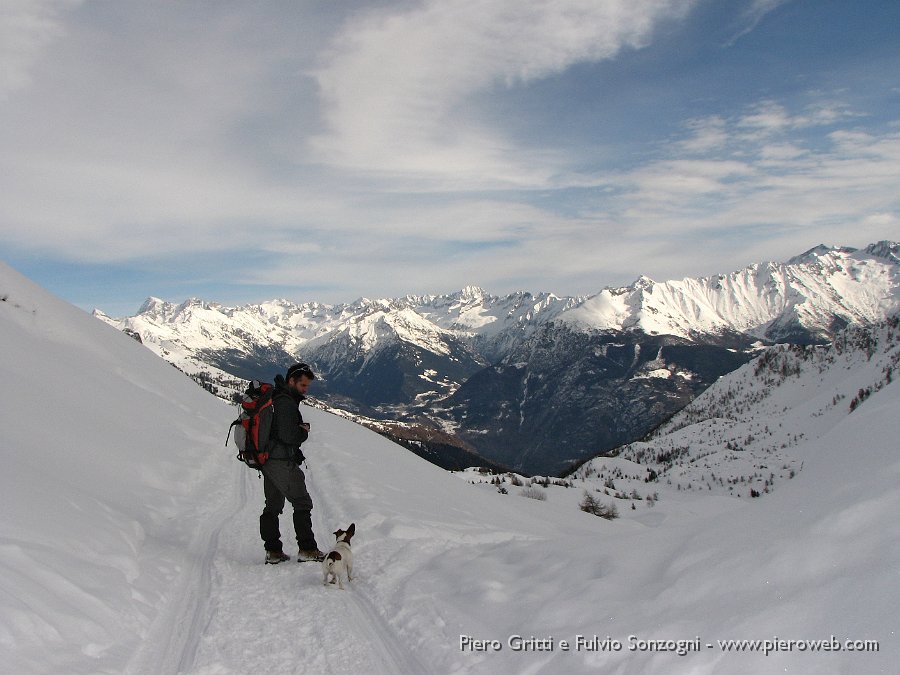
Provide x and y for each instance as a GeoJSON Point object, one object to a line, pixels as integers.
{"type": "Point", "coordinates": [299, 369]}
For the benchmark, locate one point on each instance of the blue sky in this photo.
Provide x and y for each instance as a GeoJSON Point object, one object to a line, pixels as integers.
{"type": "Point", "coordinates": [326, 150]}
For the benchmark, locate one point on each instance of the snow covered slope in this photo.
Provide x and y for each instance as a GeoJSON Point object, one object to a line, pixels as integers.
{"type": "Point", "coordinates": [809, 296]}
{"type": "Point", "coordinates": [111, 489]}
{"type": "Point", "coordinates": [740, 436]}
{"type": "Point", "coordinates": [118, 555]}
{"type": "Point", "coordinates": [439, 559]}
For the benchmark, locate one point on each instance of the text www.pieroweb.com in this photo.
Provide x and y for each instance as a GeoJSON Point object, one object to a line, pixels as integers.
{"type": "Point", "coordinates": [776, 644]}
{"type": "Point", "coordinates": [681, 647]}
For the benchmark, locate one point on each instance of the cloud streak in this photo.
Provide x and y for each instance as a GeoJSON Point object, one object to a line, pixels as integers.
{"type": "Point", "coordinates": [397, 87]}
{"type": "Point", "coordinates": [754, 13]}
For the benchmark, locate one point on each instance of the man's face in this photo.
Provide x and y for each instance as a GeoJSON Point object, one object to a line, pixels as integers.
{"type": "Point", "coordinates": [301, 384]}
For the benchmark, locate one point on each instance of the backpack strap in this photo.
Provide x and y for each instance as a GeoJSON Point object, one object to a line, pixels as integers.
{"type": "Point", "coordinates": [230, 427]}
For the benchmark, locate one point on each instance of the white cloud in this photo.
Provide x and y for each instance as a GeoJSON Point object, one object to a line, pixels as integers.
{"type": "Point", "coordinates": [132, 139]}
{"type": "Point", "coordinates": [397, 87]}
{"type": "Point", "coordinates": [834, 186]}
{"type": "Point", "coordinates": [769, 118]}
{"type": "Point", "coordinates": [26, 28]}
{"type": "Point", "coordinates": [775, 153]}
{"type": "Point", "coordinates": [759, 8]}
{"type": "Point", "coordinates": [135, 138]}
{"type": "Point", "coordinates": [707, 134]}
{"type": "Point", "coordinates": [754, 13]}
{"type": "Point", "coordinates": [766, 117]}
{"type": "Point", "coordinates": [136, 131]}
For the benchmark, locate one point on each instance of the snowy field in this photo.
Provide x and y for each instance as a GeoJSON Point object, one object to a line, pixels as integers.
{"type": "Point", "coordinates": [129, 543]}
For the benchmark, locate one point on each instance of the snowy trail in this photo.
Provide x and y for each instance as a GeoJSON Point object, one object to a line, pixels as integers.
{"type": "Point", "coordinates": [394, 655]}
{"type": "Point", "coordinates": [174, 637]}
{"type": "Point", "coordinates": [275, 617]}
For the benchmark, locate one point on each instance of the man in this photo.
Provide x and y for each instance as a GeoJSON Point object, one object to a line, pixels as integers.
{"type": "Point", "coordinates": [282, 476]}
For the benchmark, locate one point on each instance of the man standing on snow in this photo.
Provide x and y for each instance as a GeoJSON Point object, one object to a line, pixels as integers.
{"type": "Point", "coordinates": [282, 476]}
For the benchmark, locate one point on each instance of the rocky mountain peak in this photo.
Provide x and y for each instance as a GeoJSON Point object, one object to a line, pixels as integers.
{"type": "Point", "coordinates": [889, 250]}
{"type": "Point", "coordinates": [156, 308]}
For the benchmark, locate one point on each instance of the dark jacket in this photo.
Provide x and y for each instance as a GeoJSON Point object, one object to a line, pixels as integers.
{"type": "Point", "coordinates": [287, 434]}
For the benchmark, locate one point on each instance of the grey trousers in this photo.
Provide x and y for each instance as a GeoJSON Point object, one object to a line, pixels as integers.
{"type": "Point", "coordinates": [283, 479]}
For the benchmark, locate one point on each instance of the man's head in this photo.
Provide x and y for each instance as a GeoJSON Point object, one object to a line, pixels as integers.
{"type": "Point", "coordinates": [299, 376]}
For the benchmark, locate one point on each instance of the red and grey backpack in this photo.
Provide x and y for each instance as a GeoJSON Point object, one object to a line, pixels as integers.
{"type": "Point", "coordinates": [253, 427]}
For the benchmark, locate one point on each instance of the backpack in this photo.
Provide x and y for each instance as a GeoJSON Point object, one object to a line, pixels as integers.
{"type": "Point", "coordinates": [253, 427]}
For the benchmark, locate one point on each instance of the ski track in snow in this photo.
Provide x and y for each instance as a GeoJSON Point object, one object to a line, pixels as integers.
{"type": "Point", "coordinates": [395, 657]}
{"type": "Point", "coordinates": [230, 613]}
{"type": "Point", "coordinates": [173, 639]}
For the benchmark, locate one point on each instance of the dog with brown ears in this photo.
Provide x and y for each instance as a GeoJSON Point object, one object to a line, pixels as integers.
{"type": "Point", "coordinates": [338, 562]}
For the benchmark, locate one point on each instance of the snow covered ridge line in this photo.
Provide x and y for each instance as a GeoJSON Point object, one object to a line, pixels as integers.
{"type": "Point", "coordinates": [744, 434]}
{"type": "Point", "coordinates": [806, 299]}
{"type": "Point", "coordinates": [762, 299]}
{"type": "Point", "coordinates": [430, 357]}
{"type": "Point", "coordinates": [767, 300]}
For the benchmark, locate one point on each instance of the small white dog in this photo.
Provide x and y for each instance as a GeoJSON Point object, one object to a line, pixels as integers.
{"type": "Point", "coordinates": [339, 560]}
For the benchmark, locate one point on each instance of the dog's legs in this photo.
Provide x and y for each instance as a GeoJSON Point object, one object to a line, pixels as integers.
{"type": "Point", "coordinates": [327, 571]}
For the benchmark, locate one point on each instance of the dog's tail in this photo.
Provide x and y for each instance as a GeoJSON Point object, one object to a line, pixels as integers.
{"type": "Point", "coordinates": [332, 558]}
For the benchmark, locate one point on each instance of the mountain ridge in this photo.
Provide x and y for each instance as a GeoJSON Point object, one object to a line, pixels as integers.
{"type": "Point", "coordinates": [458, 311]}
{"type": "Point", "coordinates": [416, 357]}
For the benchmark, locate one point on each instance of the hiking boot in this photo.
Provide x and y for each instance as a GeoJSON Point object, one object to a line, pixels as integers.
{"type": "Point", "coordinates": [275, 557]}
{"type": "Point", "coordinates": [310, 554]}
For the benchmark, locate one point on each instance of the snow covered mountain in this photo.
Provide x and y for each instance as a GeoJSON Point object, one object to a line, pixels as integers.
{"type": "Point", "coordinates": [566, 394]}
{"type": "Point", "coordinates": [611, 366]}
{"type": "Point", "coordinates": [460, 332]}
{"type": "Point", "coordinates": [129, 539]}
{"type": "Point", "coordinates": [739, 437]}
{"type": "Point", "coordinates": [806, 299]}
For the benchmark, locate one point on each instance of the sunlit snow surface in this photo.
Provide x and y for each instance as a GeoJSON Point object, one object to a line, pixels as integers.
{"type": "Point", "coordinates": [129, 541]}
